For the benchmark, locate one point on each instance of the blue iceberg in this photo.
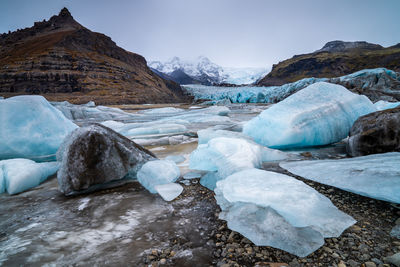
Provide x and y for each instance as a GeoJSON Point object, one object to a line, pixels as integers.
{"type": "Point", "coordinates": [31, 127]}
{"type": "Point", "coordinates": [320, 114]}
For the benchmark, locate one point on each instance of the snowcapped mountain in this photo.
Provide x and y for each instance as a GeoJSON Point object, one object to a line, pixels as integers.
{"type": "Point", "coordinates": [203, 71]}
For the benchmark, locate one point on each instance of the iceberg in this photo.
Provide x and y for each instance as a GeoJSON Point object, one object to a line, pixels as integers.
{"type": "Point", "coordinates": [192, 175]}
{"type": "Point", "coordinates": [157, 172]}
{"type": "Point", "coordinates": [320, 114]}
{"type": "Point", "coordinates": [169, 191]}
{"type": "Point", "coordinates": [31, 128]}
{"type": "Point", "coordinates": [18, 175]}
{"type": "Point", "coordinates": [176, 158]}
{"type": "Point", "coordinates": [228, 155]}
{"type": "Point", "coordinates": [375, 176]}
{"type": "Point", "coordinates": [273, 209]}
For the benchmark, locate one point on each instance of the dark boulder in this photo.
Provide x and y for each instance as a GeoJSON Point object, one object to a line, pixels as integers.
{"type": "Point", "coordinates": [94, 157]}
{"type": "Point", "coordinates": [377, 132]}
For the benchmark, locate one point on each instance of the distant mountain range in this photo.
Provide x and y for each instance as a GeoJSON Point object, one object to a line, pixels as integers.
{"type": "Point", "coordinates": [203, 71]}
{"type": "Point", "coordinates": [336, 58]}
{"type": "Point", "coordinates": [63, 60]}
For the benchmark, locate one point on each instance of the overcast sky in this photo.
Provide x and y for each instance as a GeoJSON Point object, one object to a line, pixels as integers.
{"type": "Point", "coordinates": [232, 33]}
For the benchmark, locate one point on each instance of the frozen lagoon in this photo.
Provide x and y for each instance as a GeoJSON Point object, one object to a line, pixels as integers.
{"type": "Point", "coordinates": [126, 224]}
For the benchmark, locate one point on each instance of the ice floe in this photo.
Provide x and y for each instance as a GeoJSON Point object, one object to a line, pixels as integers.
{"type": "Point", "coordinates": [157, 172]}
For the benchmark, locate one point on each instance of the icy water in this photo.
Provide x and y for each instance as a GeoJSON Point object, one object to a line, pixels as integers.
{"type": "Point", "coordinates": [122, 225]}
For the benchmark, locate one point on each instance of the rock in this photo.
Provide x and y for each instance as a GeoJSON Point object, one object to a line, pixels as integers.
{"type": "Point", "coordinates": [370, 264]}
{"type": "Point", "coordinates": [395, 232]}
{"type": "Point", "coordinates": [378, 132]}
{"type": "Point", "coordinates": [394, 259]}
{"type": "Point", "coordinates": [94, 155]}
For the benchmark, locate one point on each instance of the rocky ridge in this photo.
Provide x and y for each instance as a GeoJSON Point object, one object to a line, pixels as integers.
{"type": "Point", "coordinates": [336, 58]}
{"type": "Point", "coordinates": [61, 59]}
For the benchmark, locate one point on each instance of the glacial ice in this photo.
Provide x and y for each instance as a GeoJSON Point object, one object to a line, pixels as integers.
{"type": "Point", "coordinates": [382, 105]}
{"type": "Point", "coordinates": [91, 112]}
{"type": "Point", "coordinates": [249, 94]}
{"type": "Point", "coordinates": [206, 135]}
{"type": "Point", "coordinates": [31, 127]}
{"type": "Point", "coordinates": [320, 114]}
{"type": "Point", "coordinates": [18, 175]}
{"type": "Point", "coordinates": [176, 158]}
{"type": "Point", "coordinates": [162, 110]}
{"type": "Point", "coordinates": [157, 172]}
{"type": "Point", "coordinates": [376, 176]}
{"type": "Point", "coordinates": [169, 191]}
{"type": "Point", "coordinates": [228, 155]}
{"type": "Point", "coordinates": [210, 180]}
{"type": "Point", "coordinates": [273, 209]}
{"type": "Point", "coordinates": [192, 175]}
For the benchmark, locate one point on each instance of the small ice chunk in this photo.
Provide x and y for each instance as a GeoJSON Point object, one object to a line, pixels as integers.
{"type": "Point", "coordinates": [18, 175]}
{"type": "Point", "coordinates": [157, 172]}
{"type": "Point", "coordinates": [375, 176]}
{"type": "Point", "coordinates": [169, 191]}
{"type": "Point", "coordinates": [395, 232]}
{"type": "Point", "coordinates": [192, 175]}
{"type": "Point", "coordinates": [320, 114]}
{"type": "Point", "coordinates": [176, 158]}
{"type": "Point", "coordinates": [210, 180]}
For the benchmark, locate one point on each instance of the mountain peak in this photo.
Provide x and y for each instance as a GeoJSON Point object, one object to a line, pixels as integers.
{"type": "Point", "coordinates": [64, 13]}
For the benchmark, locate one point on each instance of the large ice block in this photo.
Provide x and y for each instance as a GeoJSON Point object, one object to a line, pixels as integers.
{"type": "Point", "coordinates": [30, 127]}
{"type": "Point", "coordinates": [279, 205]}
{"type": "Point", "coordinates": [320, 114]}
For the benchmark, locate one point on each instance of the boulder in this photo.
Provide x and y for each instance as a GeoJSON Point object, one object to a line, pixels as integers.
{"type": "Point", "coordinates": [378, 132]}
{"type": "Point", "coordinates": [95, 157]}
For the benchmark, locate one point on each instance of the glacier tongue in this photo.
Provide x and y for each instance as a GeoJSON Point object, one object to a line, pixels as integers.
{"type": "Point", "coordinates": [376, 176]}
{"type": "Point", "coordinates": [320, 114]}
{"type": "Point", "coordinates": [278, 210]}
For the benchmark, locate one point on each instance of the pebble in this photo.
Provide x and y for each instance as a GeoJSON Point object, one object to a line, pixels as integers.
{"type": "Point", "coordinates": [341, 264]}
{"type": "Point", "coordinates": [370, 264]}
{"type": "Point", "coordinates": [163, 261]}
{"type": "Point", "coordinates": [394, 259]}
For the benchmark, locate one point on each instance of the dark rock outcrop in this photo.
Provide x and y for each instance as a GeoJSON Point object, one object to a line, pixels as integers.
{"type": "Point", "coordinates": [336, 58]}
{"type": "Point", "coordinates": [378, 132]}
{"type": "Point", "coordinates": [63, 60]}
{"type": "Point", "coordinates": [94, 157]}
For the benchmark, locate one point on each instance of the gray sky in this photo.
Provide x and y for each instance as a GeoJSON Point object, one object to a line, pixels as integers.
{"type": "Point", "coordinates": [232, 33]}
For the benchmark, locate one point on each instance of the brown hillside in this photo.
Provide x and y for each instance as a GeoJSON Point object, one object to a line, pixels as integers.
{"type": "Point", "coordinates": [63, 60]}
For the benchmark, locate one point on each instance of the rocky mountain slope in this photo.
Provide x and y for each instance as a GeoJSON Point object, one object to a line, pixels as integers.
{"type": "Point", "coordinates": [63, 60]}
{"type": "Point", "coordinates": [203, 71]}
{"type": "Point", "coordinates": [336, 58]}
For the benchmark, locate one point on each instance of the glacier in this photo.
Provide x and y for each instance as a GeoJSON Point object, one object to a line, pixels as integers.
{"type": "Point", "coordinates": [31, 128]}
{"type": "Point", "coordinates": [273, 209]}
{"type": "Point", "coordinates": [157, 172]}
{"type": "Point", "coordinates": [19, 175]}
{"type": "Point", "coordinates": [375, 176]}
{"type": "Point", "coordinates": [320, 114]}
